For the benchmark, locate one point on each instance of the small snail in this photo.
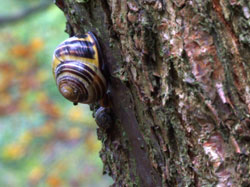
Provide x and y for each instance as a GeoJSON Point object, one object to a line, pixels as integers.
{"type": "Point", "coordinates": [103, 118]}
{"type": "Point", "coordinates": [77, 68]}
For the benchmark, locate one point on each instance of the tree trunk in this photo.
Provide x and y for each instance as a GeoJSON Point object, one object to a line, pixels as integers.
{"type": "Point", "coordinates": [179, 87]}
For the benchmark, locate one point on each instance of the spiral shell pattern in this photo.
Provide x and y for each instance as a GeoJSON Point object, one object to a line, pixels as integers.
{"type": "Point", "coordinates": [77, 69]}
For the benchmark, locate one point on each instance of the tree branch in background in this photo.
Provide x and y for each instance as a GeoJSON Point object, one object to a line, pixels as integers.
{"type": "Point", "coordinates": [24, 13]}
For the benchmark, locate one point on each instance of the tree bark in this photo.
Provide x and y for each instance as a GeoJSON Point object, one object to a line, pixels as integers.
{"type": "Point", "coordinates": [179, 87]}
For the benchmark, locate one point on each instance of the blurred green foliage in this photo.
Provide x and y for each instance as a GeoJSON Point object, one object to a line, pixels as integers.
{"type": "Point", "coordinates": [44, 139]}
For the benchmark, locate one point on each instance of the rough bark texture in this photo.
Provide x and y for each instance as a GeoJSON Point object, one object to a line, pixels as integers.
{"type": "Point", "coordinates": [180, 89]}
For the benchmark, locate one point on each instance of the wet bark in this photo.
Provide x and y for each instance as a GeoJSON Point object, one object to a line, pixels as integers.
{"type": "Point", "coordinates": [179, 87]}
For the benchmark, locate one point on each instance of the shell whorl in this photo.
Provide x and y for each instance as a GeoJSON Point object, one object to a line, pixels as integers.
{"type": "Point", "coordinates": [76, 68]}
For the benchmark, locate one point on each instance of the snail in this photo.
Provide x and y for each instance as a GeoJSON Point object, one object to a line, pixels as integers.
{"type": "Point", "coordinates": [78, 67]}
{"type": "Point", "coordinates": [103, 118]}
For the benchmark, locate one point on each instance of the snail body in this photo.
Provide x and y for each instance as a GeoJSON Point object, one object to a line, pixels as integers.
{"type": "Point", "coordinates": [78, 67]}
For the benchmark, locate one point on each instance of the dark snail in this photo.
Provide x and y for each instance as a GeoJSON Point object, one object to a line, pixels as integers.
{"type": "Point", "coordinates": [103, 118]}
{"type": "Point", "coordinates": [77, 68]}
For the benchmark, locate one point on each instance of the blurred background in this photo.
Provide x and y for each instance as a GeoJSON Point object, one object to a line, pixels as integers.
{"type": "Point", "coordinates": [44, 139]}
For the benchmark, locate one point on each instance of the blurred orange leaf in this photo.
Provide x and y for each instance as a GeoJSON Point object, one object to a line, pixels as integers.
{"type": "Point", "coordinates": [36, 44]}
{"type": "Point", "coordinates": [28, 50]}
{"type": "Point", "coordinates": [20, 50]}
{"type": "Point", "coordinates": [54, 181]}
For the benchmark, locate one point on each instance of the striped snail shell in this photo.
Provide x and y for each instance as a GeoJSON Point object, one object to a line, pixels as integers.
{"type": "Point", "coordinates": [77, 69]}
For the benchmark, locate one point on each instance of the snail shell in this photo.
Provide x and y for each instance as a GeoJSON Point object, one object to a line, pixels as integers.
{"type": "Point", "coordinates": [77, 69]}
{"type": "Point", "coordinates": [103, 118]}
